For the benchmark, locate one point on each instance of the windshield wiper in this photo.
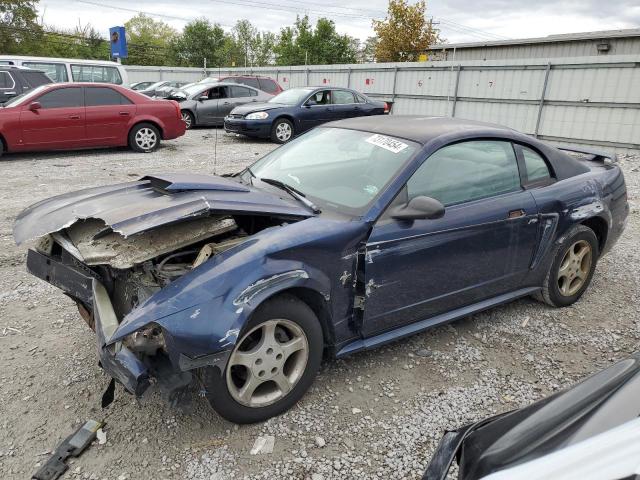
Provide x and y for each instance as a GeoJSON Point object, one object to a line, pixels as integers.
{"type": "Point", "coordinates": [297, 194]}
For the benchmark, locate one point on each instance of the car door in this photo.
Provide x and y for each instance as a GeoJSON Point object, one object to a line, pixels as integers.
{"type": "Point", "coordinates": [344, 105]}
{"type": "Point", "coordinates": [108, 115]}
{"type": "Point", "coordinates": [481, 247]}
{"type": "Point", "coordinates": [316, 109]}
{"type": "Point", "coordinates": [58, 123]}
{"type": "Point", "coordinates": [207, 105]}
{"type": "Point", "coordinates": [238, 96]}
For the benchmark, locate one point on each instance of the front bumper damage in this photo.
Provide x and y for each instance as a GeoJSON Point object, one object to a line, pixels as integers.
{"type": "Point", "coordinates": [115, 358]}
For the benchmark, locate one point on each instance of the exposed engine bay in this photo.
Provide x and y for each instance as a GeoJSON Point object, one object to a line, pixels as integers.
{"type": "Point", "coordinates": [133, 268]}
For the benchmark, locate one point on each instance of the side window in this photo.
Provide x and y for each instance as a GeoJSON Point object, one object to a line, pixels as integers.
{"type": "Point", "coordinates": [251, 81]}
{"type": "Point", "coordinates": [467, 171]}
{"type": "Point", "coordinates": [95, 73]}
{"type": "Point", "coordinates": [6, 81]}
{"type": "Point", "coordinates": [97, 96]}
{"type": "Point", "coordinates": [55, 71]}
{"type": "Point", "coordinates": [360, 99]}
{"type": "Point", "coordinates": [35, 79]}
{"type": "Point", "coordinates": [323, 97]}
{"type": "Point", "coordinates": [62, 98]}
{"type": "Point", "coordinates": [268, 85]}
{"type": "Point", "coordinates": [237, 92]}
{"type": "Point", "coordinates": [535, 166]}
{"type": "Point", "coordinates": [341, 97]}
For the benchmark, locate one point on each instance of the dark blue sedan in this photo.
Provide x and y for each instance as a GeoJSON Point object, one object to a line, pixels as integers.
{"type": "Point", "coordinates": [358, 233]}
{"type": "Point", "coordinates": [297, 110]}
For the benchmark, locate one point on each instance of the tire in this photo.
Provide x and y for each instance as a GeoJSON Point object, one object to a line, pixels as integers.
{"type": "Point", "coordinates": [188, 118]}
{"type": "Point", "coordinates": [295, 320]}
{"type": "Point", "coordinates": [282, 131]}
{"type": "Point", "coordinates": [561, 289]}
{"type": "Point", "coordinates": [144, 137]}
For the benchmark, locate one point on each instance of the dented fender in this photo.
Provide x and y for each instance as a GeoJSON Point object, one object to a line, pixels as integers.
{"type": "Point", "coordinates": [203, 312]}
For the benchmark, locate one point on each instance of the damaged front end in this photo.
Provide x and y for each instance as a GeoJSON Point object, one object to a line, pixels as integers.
{"type": "Point", "coordinates": [123, 260]}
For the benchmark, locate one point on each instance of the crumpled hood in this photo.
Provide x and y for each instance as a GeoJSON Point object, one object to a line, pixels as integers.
{"type": "Point", "coordinates": [256, 107]}
{"type": "Point", "coordinates": [134, 207]}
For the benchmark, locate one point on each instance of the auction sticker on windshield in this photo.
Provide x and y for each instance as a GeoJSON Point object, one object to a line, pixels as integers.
{"type": "Point", "coordinates": [388, 143]}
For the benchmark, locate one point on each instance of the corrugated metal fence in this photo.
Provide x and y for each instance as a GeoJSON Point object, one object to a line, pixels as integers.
{"type": "Point", "coordinates": [578, 100]}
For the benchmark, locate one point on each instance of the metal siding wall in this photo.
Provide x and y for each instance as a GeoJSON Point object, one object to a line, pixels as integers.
{"type": "Point", "coordinates": [587, 100]}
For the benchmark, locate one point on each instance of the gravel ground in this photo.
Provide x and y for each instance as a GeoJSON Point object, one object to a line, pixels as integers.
{"type": "Point", "coordinates": [378, 414]}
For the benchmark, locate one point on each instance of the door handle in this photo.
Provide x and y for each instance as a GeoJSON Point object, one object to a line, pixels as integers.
{"type": "Point", "coordinates": [226, 103]}
{"type": "Point", "coordinates": [516, 214]}
{"type": "Point", "coordinates": [74, 117]}
{"type": "Point", "coordinates": [124, 114]}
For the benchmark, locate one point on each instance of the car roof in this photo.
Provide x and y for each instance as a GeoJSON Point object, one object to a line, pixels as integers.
{"type": "Point", "coordinates": [422, 129]}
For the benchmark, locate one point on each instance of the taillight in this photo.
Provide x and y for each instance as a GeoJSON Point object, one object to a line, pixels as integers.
{"type": "Point", "coordinates": [178, 112]}
{"type": "Point", "coordinates": [387, 108]}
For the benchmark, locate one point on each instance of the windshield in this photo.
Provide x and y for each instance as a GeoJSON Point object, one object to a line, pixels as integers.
{"type": "Point", "coordinates": [292, 96]}
{"type": "Point", "coordinates": [19, 98]}
{"type": "Point", "coordinates": [154, 85]}
{"type": "Point", "coordinates": [342, 169]}
{"type": "Point", "coordinates": [193, 89]}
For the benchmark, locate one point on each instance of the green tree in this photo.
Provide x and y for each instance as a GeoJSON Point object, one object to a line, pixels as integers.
{"type": "Point", "coordinates": [149, 40]}
{"type": "Point", "coordinates": [367, 50]}
{"type": "Point", "coordinates": [404, 33]}
{"type": "Point", "coordinates": [200, 40]}
{"type": "Point", "coordinates": [19, 29]}
{"type": "Point", "coordinates": [302, 44]}
{"type": "Point", "coordinates": [262, 47]}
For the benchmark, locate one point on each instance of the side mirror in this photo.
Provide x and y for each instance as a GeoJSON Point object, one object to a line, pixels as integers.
{"type": "Point", "coordinates": [33, 106]}
{"type": "Point", "coordinates": [202, 98]}
{"type": "Point", "coordinates": [419, 208]}
{"type": "Point", "coordinates": [310, 103]}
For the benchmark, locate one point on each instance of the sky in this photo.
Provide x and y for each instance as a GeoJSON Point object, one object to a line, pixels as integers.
{"type": "Point", "coordinates": [458, 20]}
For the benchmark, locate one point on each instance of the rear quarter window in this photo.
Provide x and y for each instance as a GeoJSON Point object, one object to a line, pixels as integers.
{"type": "Point", "coordinates": [35, 79]}
{"type": "Point", "coordinates": [268, 85]}
{"type": "Point", "coordinates": [6, 81]}
{"type": "Point", "coordinates": [535, 165]}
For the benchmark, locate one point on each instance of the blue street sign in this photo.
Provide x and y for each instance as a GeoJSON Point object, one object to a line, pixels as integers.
{"type": "Point", "coordinates": [118, 42]}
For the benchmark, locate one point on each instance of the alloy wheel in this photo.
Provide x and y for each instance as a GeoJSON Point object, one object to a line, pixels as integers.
{"type": "Point", "coordinates": [187, 119]}
{"type": "Point", "coordinates": [574, 268]}
{"type": "Point", "coordinates": [146, 138]}
{"type": "Point", "coordinates": [283, 131]}
{"type": "Point", "coordinates": [267, 363]}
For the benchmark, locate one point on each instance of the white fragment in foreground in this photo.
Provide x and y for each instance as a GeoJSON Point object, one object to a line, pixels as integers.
{"type": "Point", "coordinates": [101, 435]}
{"type": "Point", "coordinates": [263, 445]}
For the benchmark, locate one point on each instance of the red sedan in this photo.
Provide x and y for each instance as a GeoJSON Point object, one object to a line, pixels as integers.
{"type": "Point", "coordinates": [87, 115]}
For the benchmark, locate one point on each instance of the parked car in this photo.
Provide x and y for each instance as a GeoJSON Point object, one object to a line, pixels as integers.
{"type": "Point", "coordinates": [86, 115]}
{"type": "Point", "coordinates": [18, 80]}
{"type": "Point", "coordinates": [140, 85]}
{"type": "Point", "coordinates": [162, 88]}
{"type": "Point", "coordinates": [208, 104]}
{"type": "Point", "coordinates": [297, 110]}
{"type": "Point", "coordinates": [266, 84]}
{"type": "Point", "coordinates": [588, 432]}
{"type": "Point", "coordinates": [71, 69]}
{"type": "Point", "coordinates": [356, 234]}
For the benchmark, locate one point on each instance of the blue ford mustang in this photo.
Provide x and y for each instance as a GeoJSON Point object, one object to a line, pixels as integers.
{"type": "Point", "coordinates": [297, 110]}
{"type": "Point", "coordinates": [357, 233]}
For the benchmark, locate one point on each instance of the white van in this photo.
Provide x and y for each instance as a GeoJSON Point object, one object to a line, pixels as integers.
{"type": "Point", "coordinates": [72, 70]}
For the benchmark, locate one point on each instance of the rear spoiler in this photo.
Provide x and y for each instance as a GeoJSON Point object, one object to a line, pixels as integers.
{"type": "Point", "coordinates": [596, 155]}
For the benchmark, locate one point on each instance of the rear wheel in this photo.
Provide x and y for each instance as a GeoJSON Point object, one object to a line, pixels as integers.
{"type": "Point", "coordinates": [144, 137]}
{"type": "Point", "coordinates": [188, 119]}
{"type": "Point", "coordinates": [271, 366]}
{"type": "Point", "coordinates": [282, 131]}
{"type": "Point", "coordinates": [570, 273]}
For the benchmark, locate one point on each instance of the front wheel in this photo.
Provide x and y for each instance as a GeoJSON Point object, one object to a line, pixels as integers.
{"type": "Point", "coordinates": [187, 118]}
{"type": "Point", "coordinates": [282, 131]}
{"type": "Point", "coordinates": [574, 262]}
{"type": "Point", "coordinates": [271, 366]}
{"type": "Point", "coordinates": [144, 138]}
